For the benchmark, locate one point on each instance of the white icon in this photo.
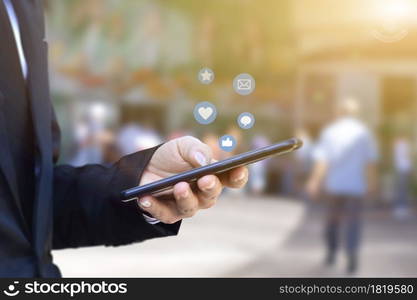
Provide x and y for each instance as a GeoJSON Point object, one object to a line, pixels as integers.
{"type": "Point", "coordinates": [206, 76]}
{"type": "Point", "coordinates": [11, 291]}
{"type": "Point", "coordinates": [244, 84]}
{"type": "Point", "coordinates": [205, 112]}
{"type": "Point", "coordinates": [245, 120]}
{"type": "Point", "coordinates": [227, 142]}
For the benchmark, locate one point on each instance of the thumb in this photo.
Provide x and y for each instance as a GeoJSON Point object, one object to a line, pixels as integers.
{"type": "Point", "coordinates": [194, 151]}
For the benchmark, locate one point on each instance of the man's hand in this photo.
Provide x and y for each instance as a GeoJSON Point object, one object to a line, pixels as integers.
{"type": "Point", "coordinates": [317, 176]}
{"type": "Point", "coordinates": [177, 156]}
{"type": "Point", "coordinates": [312, 189]}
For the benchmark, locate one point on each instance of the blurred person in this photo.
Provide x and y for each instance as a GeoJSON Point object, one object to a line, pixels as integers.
{"type": "Point", "coordinates": [402, 157]}
{"type": "Point", "coordinates": [87, 149]}
{"type": "Point", "coordinates": [110, 150]}
{"type": "Point", "coordinates": [303, 160]}
{"type": "Point", "coordinates": [258, 170]}
{"type": "Point", "coordinates": [288, 176]}
{"type": "Point", "coordinates": [133, 137]}
{"type": "Point", "coordinates": [304, 155]}
{"type": "Point", "coordinates": [344, 161]}
{"type": "Point", "coordinates": [88, 134]}
{"type": "Point", "coordinates": [237, 134]}
{"type": "Point", "coordinates": [47, 206]}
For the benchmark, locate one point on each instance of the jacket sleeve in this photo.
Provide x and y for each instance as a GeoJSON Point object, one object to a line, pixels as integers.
{"type": "Point", "coordinates": [87, 209]}
{"type": "Point", "coordinates": [87, 206]}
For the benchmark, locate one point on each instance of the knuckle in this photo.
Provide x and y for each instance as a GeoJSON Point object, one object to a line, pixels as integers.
{"type": "Point", "coordinates": [210, 202]}
{"type": "Point", "coordinates": [215, 190]}
{"type": "Point", "coordinates": [241, 182]}
{"type": "Point", "coordinates": [213, 195]}
{"type": "Point", "coordinates": [191, 140]}
{"type": "Point", "coordinates": [189, 211]}
{"type": "Point", "coordinates": [207, 149]}
{"type": "Point", "coordinates": [210, 205]}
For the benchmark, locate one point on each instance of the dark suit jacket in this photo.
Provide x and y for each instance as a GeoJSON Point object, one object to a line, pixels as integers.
{"type": "Point", "coordinates": [73, 207]}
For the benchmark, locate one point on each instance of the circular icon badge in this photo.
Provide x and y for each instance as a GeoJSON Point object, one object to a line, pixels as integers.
{"type": "Point", "coordinates": [227, 143]}
{"type": "Point", "coordinates": [205, 112]}
{"type": "Point", "coordinates": [206, 76]}
{"type": "Point", "coordinates": [246, 120]}
{"type": "Point", "coordinates": [244, 84]}
{"type": "Point", "coordinates": [389, 32]}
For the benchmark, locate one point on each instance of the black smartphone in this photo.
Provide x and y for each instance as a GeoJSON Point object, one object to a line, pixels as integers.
{"type": "Point", "coordinates": [215, 168]}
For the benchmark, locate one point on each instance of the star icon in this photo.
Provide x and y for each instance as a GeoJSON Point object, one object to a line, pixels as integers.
{"type": "Point", "coordinates": [206, 76]}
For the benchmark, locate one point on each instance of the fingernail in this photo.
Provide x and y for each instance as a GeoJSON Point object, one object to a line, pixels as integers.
{"type": "Point", "coordinates": [200, 158]}
{"type": "Point", "coordinates": [241, 177]}
{"type": "Point", "coordinates": [145, 203]}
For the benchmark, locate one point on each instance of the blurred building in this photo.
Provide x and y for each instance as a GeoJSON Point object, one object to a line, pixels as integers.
{"type": "Point", "coordinates": [140, 59]}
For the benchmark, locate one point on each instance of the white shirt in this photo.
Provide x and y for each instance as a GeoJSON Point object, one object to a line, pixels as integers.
{"type": "Point", "coordinates": [347, 146]}
{"type": "Point", "coordinates": [16, 32]}
{"type": "Point", "coordinates": [402, 156]}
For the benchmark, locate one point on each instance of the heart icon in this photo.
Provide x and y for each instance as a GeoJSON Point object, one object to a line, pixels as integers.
{"type": "Point", "coordinates": [205, 112]}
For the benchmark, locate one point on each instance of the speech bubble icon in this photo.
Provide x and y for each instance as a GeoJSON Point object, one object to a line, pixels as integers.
{"type": "Point", "coordinates": [246, 120]}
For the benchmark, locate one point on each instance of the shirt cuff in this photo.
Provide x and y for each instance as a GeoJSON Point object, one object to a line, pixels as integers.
{"type": "Point", "coordinates": [151, 220]}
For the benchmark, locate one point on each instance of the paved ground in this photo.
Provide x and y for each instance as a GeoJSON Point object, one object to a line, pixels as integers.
{"type": "Point", "coordinates": [250, 238]}
{"type": "Point", "coordinates": [389, 250]}
{"type": "Point", "coordinates": [230, 235]}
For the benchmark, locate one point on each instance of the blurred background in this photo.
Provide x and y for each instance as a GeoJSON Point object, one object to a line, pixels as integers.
{"type": "Point", "coordinates": [124, 78]}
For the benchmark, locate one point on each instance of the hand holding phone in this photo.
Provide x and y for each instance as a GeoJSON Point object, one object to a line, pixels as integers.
{"type": "Point", "coordinates": [214, 168]}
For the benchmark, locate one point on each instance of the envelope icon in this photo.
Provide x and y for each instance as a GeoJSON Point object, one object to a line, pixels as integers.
{"type": "Point", "coordinates": [244, 84]}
